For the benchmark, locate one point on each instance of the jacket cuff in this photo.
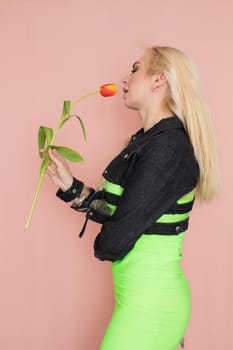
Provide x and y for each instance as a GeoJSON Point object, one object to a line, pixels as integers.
{"type": "Point", "coordinates": [72, 192]}
{"type": "Point", "coordinates": [83, 207]}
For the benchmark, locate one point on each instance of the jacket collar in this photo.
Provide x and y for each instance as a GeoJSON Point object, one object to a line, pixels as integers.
{"type": "Point", "coordinates": [172, 122]}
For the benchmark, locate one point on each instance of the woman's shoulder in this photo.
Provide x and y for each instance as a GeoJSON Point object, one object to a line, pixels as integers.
{"type": "Point", "coordinates": [175, 140]}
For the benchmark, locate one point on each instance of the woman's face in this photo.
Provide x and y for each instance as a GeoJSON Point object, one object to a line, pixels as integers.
{"type": "Point", "coordinates": [137, 86]}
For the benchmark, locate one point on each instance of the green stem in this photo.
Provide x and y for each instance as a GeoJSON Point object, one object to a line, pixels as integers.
{"type": "Point", "coordinates": [51, 143]}
{"type": "Point", "coordinates": [83, 97]}
{"type": "Point", "coordinates": [35, 199]}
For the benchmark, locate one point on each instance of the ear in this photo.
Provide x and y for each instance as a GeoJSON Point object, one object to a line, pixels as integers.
{"type": "Point", "coordinates": [158, 80]}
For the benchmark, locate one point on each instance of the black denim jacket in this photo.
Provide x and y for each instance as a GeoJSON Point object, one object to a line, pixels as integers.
{"type": "Point", "coordinates": [156, 169]}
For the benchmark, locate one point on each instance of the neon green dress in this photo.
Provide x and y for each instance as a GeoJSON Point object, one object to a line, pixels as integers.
{"type": "Point", "coordinates": [152, 296]}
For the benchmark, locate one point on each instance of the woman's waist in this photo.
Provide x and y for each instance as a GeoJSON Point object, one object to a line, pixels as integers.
{"type": "Point", "coordinates": [157, 247]}
{"type": "Point", "coordinates": [152, 255]}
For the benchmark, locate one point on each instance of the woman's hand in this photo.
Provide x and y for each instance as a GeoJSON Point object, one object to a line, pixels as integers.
{"type": "Point", "coordinates": [58, 170]}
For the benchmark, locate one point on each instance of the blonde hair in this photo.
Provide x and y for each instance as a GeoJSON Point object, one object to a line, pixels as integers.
{"type": "Point", "coordinates": [185, 99]}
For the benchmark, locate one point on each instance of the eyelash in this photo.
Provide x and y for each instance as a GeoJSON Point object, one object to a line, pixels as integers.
{"type": "Point", "coordinates": [133, 70]}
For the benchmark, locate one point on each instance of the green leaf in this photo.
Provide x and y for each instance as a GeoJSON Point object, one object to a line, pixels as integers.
{"type": "Point", "coordinates": [81, 123]}
{"type": "Point", "coordinates": [41, 139]}
{"type": "Point", "coordinates": [45, 163]}
{"type": "Point", "coordinates": [49, 134]}
{"type": "Point", "coordinates": [83, 127]}
{"type": "Point", "coordinates": [44, 134]}
{"type": "Point", "coordinates": [66, 109]}
{"type": "Point", "coordinates": [68, 153]}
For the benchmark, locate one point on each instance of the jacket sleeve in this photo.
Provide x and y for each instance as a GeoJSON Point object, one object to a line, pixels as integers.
{"type": "Point", "coordinates": [152, 187]}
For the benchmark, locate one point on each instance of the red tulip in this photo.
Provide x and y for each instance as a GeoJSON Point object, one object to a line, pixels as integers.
{"type": "Point", "coordinates": [47, 136]}
{"type": "Point", "coordinates": [107, 90]}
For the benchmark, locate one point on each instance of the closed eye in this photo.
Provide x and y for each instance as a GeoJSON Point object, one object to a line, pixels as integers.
{"type": "Point", "coordinates": [135, 67]}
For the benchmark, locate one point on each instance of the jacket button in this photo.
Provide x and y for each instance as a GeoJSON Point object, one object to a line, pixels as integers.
{"type": "Point", "coordinates": [177, 228]}
{"type": "Point", "coordinates": [126, 156]}
{"type": "Point", "coordinates": [91, 213]}
{"type": "Point", "coordinates": [74, 191]}
{"type": "Point", "coordinates": [105, 172]}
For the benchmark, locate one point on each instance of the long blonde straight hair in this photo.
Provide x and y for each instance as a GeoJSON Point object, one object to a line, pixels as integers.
{"type": "Point", "coordinates": [185, 99]}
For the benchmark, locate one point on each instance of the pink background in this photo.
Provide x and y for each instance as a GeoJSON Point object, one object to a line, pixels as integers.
{"type": "Point", "coordinates": [54, 294]}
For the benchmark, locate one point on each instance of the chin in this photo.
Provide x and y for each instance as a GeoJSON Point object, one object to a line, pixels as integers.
{"type": "Point", "coordinates": [130, 105]}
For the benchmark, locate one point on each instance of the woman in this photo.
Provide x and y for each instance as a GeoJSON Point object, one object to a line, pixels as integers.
{"type": "Point", "coordinates": [145, 199]}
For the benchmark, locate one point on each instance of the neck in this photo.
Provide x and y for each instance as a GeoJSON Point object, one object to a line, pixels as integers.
{"type": "Point", "coordinates": [150, 117]}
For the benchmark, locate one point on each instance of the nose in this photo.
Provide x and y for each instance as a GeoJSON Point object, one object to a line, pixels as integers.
{"type": "Point", "coordinates": [124, 80]}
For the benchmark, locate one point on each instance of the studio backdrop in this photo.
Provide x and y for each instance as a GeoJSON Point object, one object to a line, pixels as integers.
{"type": "Point", "coordinates": [54, 294]}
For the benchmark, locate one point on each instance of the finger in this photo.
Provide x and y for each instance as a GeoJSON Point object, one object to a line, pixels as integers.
{"type": "Point", "coordinates": [41, 153]}
{"type": "Point", "coordinates": [42, 150]}
{"type": "Point", "coordinates": [47, 172]}
{"type": "Point", "coordinates": [55, 156]}
{"type": "Point", "coordinates": [51, 173]}
{"type": "Point", "coordinates": [52, 170]}
{"type": "Point", "coordinates": [52, 164]}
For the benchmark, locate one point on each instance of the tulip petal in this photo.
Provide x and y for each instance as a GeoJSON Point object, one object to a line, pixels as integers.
{"type": "Point", "coordinates": [107, 90]}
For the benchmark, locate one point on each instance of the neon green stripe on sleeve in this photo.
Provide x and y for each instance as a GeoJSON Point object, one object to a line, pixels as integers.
{"type": "Point", "coordinates": [112, 207]}
{"type": "Point", "coordinates": [113, 188]}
